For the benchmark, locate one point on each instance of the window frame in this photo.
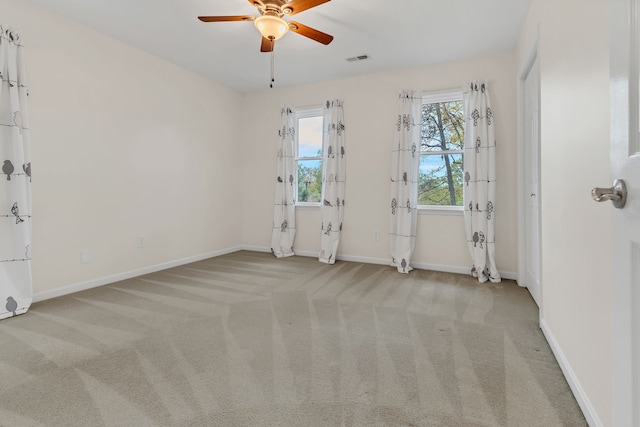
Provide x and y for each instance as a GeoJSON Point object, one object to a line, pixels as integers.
{"type": "Point", "coordinates": [433, 97]}
{"type": "Point", "coordinates": [303, 113]}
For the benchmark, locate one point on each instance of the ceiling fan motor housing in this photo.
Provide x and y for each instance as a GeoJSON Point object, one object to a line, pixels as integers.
{"type": "Point", "coordinates": [272, 7]}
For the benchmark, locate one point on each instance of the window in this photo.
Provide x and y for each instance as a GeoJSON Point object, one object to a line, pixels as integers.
{"type": "Point", "coordinates": [308, 154]}
{"type": "Point", "coordinates": [441, 151]}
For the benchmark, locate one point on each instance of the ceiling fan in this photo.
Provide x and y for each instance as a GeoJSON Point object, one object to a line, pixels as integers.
{"type": "Point", "coordinates": [271, 24]}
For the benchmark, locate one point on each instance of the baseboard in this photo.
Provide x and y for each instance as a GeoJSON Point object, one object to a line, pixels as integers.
{"type": "Point", "coordinates": [93, 283]}
{"type": "Point", "coordinates": [382, 261]}
{"type": "Point", "coordinates": [509, 275]}
{"type": "Point", "coordinates": [256, 248]}
{"type": "Point", "coordinates": [578, 392]}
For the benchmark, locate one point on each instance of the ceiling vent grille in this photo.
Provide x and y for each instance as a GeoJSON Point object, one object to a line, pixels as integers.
{"type": "Point", "coordinates": [358, 58]}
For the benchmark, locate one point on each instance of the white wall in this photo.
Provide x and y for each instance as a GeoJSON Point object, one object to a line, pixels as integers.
{"type": "Point", "coordinates": [370, 104]}
{"type": "Point", "coordinates": [124, 144]}
{"type": "Point", "coordinates": [576, 234]}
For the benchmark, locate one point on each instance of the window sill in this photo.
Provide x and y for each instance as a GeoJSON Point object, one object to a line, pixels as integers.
{"type": "Point", "coordinates": [307, 206]}
{"type": "Point", "coordinates": [422, 210]}
{"type": "Point", "coordinates": [441, 210]}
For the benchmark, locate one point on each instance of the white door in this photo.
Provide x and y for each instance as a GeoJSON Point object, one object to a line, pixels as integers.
{"type": "Point", "coordinates": [532, 180]}
{"type": "Point", "coordinates": [625, 164]}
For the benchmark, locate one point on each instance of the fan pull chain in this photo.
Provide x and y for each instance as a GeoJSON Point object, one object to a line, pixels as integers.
{"type": "Point", "coordinates": [272, 65]}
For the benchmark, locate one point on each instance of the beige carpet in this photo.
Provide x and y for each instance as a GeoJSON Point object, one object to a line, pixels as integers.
{"type": "Point", "coordinates": [249, 340]}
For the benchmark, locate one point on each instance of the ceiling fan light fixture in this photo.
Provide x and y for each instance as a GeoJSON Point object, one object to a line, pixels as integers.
{"type": "Point", "coordinates": [271, 27]}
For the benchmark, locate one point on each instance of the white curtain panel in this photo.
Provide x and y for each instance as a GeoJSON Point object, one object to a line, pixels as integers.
{"type": "Point", "coordinates": [480, 180]}
{"type": "Point", "coordinates": [16, 292]}
{"type": "Point", "coordinates": [333, 180]}
{"type": "Point", "coordinates": [405, 162]}
{"type": "Point", "coordinates": [284, 215]}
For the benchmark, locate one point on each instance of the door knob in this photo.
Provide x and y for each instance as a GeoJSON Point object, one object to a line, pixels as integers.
{"type": "Point", "coordinates": [617, 194]}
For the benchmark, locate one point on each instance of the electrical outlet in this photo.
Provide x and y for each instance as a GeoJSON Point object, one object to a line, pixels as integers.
{"type": "Point", "coordinates": [85, 257]}
{"type": "Point", "coordinates": [141, 241]}
{"type": "Point", "coordinates": [376, 235]}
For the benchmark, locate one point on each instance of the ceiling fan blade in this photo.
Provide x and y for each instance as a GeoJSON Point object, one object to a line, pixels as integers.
{"type": "Point", "coordinates": [226, 18]}
{"type": "Point", "coordinates": [297, 6]}
{"type": "Point", "coordinates": [312, 33]}
{"type": "Point", "coordinates": [267, 45]}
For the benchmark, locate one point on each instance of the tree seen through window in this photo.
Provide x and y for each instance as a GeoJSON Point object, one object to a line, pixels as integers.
{"type": "Point", "coordinates": [440, 177]}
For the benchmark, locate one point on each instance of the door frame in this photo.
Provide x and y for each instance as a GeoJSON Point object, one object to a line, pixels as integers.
{"type": "Point", "coordinates": [524, 70]}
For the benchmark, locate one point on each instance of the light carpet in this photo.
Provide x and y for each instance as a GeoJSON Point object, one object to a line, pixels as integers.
{"type": "Point", "coordinates": [249, 340]}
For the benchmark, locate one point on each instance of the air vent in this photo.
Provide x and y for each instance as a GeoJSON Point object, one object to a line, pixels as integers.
{"type": "Point", "coordinates": [358, 58]}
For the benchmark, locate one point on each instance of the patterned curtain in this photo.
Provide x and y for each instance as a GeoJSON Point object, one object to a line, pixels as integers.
{"type": "Point", "coordinates": [405, 162]}
{"type": "Point", "coordinates": [284, 215]}
{"type": "Point", "coordinates": [480, 180]}
{"type": "Point", "coordinates": [333, 181]}
{"type": "Point", "coordinates": [16, 292]}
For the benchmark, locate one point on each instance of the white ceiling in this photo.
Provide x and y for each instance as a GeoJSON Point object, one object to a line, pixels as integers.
{"type": "Point", "coordinates": [394, 33]}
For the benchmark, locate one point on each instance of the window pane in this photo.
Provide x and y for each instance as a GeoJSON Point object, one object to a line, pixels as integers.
{"type": "Point", "coordinates": [440, 181]}
{"type": "Point", "coordinates": [310, 137]}
{"type": "Point", "coordinates": [442, 126]}
{"type": "Point", "coordinates": [309, 180]}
